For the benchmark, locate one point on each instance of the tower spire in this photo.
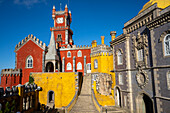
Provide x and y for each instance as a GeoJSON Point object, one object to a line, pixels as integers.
{"type": "Point", "coordinates": [51, 54]}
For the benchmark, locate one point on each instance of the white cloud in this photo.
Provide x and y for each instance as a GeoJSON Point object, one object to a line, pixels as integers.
{"type": "Point", "coordinates": [28, 3]}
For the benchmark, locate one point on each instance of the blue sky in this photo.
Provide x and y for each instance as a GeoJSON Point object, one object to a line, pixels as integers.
{"type": "Point", "coordinates": [90, 20]}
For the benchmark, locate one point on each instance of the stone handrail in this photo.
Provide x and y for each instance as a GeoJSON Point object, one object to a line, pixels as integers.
{"type": "Point", "coordinates": [97, 105]}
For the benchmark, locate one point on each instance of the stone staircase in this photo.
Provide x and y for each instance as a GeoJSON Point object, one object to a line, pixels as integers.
{"type": "Point", "coordinates": [84, 103]}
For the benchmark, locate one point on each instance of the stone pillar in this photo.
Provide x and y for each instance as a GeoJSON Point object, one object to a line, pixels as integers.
{"type": "Point", "coordinates": [74, 58]}
{"type": "Point", "coordinates": [84, 65]}
{"type": "Point", "coordinates": [63, 64]}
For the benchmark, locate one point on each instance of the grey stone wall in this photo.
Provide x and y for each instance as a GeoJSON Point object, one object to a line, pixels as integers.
{"type": "Point", "coordinates": [160, 58]}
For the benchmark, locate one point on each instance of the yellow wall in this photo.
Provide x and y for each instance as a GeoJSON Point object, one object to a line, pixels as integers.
{"type": "Point", "coordinates": [105, 65]}
{"type": "Point", "coordinates": [63, 85]}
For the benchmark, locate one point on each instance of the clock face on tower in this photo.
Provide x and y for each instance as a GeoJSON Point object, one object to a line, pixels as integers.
{"type": "Point", "coordinates": [60, 20]}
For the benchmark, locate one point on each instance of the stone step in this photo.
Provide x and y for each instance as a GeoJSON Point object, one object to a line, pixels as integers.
{"type": "Point", "coordinates": [84, 103]}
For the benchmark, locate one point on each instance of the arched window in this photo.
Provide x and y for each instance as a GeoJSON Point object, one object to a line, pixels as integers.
{"type": "Point", "coordinates": [69, 54]}
{"type": "Point", "coordinates": [59, 37]}
{"type": "Point", "coordinates": [79, 66]}
{"type": "Point", "coordinates": [95, 64]}
{"type": "Point", "coordinates": [79, 54]}
{"type": "Point", "coordinates": [29, 62]}
{"type": "Point", "coordinates": [69, 66]}
{"type": "Point", "coordinates": [120, 79]}
{"type": "Point", "coordinates": [119, 57]}
{"type": "Point", "coordinates": [167, 45]}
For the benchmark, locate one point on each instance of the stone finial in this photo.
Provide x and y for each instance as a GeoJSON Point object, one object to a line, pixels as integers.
{"type": "Point", "coordinates": [34, 38]}
{"type": "Point", "coordinates": [19, 43]}
{"type": "Point", "coordinates": [53, 6]}
{"type": "Point", "coordinates": [26, 38]}
{"type": "Point", "coordinates": [37, 41]}
{"type": "Point", "coordinates": [22, 41]}
{"type": "Point", "coordinates": [40, 43]}
{"type": "Point", "coordinates": [113, 34]}
{"type": "Point", "coordinates": [66, 6]}
{"type": "Point", "coordinates": [31, 35]}
{"type": "Point", "coordinates": [69, 11]}
{"type": "Point", "coordinates": [44, 45]}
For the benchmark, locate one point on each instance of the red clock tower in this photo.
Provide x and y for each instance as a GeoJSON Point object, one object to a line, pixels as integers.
{"type": "Point", "coordinates": [62, 32]}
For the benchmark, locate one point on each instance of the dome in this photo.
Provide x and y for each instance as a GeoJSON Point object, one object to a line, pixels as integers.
{"type": "Point", "coordinates": [160, 3]}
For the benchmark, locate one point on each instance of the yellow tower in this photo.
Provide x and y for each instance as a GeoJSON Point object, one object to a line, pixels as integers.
{"type": "Point", "coordinates": [101, 65]}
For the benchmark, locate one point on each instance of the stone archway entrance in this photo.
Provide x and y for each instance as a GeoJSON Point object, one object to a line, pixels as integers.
{"type": "Point", "coordinates": [145, 104]}
{"type": "Point", "coordinates": [49, 67]}
{"type": "Point", "coordinates": [118, 97]}
{"type": "Point", "coordinates": [50, 100]}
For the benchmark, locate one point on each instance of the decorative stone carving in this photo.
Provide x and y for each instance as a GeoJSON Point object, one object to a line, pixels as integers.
{"type": "Point", "coordinates": [142, 78]}
{"type": "Point", "coordinates": [103, 83]}
{"type": "Point", "coordinates": [140, 42]}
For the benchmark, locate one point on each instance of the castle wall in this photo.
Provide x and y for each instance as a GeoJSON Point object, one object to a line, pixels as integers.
{"type": "Point", "coordinates": [30, 48]}
{"type": "Point", "coordinates": [64, 85]}
{"type": "Point", "coordinates": [10, 77]}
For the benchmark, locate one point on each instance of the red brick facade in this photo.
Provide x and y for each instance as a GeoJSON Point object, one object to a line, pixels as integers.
{"type": "Point", "coordinates": [10, 77]}
{"type": "Point", "coordinates": [29, 49]}
{"type": "Point", "coordinates": [74, 53]}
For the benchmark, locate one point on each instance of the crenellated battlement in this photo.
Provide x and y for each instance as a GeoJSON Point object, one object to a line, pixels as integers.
{"type": "Point", "coordinates": [76, 47]}
{"type": "Point", "coordinates": [101, 50]}
{"type": "Point", "coordinates": [10, 72]}
{"type": "Point", "coordinates": [34, 39]}
{"type": "Point", "coordinates": [105, 53]}
{"type": "Point", "coordinates": [83, 46]}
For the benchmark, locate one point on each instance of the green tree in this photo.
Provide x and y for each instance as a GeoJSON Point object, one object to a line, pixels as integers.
{"type": "Point", "coordinates": [31, 79]}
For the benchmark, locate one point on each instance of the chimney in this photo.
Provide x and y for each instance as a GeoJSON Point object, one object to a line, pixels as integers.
{"type": "Point", "coordinates": [102, 39]}
{"type": "Point", "coordinates": [113, 34]}
{"type": "Point", "coordinates": [94, 43]}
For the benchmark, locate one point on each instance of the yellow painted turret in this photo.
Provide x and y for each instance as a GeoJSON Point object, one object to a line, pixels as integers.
{"type": "Point", "coordinates": [160, 3]}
